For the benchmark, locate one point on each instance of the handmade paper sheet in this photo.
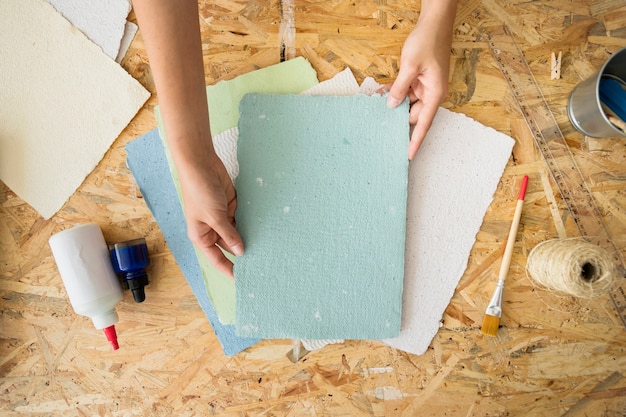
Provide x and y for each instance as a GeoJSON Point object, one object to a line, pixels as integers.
{"type": "Point", "coordinates": [62, 104]}
{"type": "Point", "coordinates": [322, 192]}
{"type": "Point", "coordinates": [452, 181]}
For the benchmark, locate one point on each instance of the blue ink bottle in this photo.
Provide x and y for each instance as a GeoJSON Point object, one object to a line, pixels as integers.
{"type": "Point", "coordinates": [130, 260]}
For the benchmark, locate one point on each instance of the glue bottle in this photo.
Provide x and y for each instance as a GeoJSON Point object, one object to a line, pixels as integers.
{"type": "Point", "coordinates": [82, 257]}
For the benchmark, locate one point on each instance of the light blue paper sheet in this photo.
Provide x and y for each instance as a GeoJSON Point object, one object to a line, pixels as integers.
{"type": "Point", "coordinates": [146, 159]}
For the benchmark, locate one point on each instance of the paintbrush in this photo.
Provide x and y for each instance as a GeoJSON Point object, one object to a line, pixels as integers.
{"type": "Point", "coordinates": [491, 322]}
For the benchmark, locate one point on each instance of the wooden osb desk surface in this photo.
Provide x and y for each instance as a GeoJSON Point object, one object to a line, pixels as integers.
{"type": "Point", "coordinates": [553, 355]}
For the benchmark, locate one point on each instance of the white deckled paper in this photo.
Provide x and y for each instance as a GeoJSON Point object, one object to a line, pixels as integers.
{"type": "Point", "coordinates": [452, 181]}
{"type": "Point", "coordinates": [62, 104]}
{"type": "Point", "coordinates": [102, 21]}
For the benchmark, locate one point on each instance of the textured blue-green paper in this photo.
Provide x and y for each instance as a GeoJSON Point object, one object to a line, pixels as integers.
{"type": "Point", "coordinates": [321, 197]}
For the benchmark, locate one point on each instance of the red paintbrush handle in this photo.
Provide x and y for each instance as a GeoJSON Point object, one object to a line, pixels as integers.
{"type": "Point", "coordinates": [522, 190]}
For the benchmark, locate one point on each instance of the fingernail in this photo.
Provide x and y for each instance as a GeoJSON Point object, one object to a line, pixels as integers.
{"type": "Point", "coordinates": [392, 102]}
{"type": "Point", "coordinates": [237, 250]}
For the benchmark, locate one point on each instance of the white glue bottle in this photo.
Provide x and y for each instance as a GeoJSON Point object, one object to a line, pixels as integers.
{"type": "Point", "coordinates": [83, 260]}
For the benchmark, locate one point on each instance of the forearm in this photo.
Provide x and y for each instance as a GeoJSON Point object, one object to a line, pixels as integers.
{"type": "Point", "coordinates": [171, 34]}
{"type": "Point", "coordinates": [438, 16]}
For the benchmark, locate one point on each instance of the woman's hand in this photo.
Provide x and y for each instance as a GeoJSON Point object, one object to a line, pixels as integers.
{"type": "Point", "coordinates": [424, 68]}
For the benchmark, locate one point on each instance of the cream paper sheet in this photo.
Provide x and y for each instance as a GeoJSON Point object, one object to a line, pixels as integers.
{"type": "Point", "coordinates": [62, 104]}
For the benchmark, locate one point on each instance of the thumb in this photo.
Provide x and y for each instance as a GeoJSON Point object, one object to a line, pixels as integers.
{"type": "Point", "coordinates": [230, 238]}
{"type": "Point", "coordinates": [400, 88]}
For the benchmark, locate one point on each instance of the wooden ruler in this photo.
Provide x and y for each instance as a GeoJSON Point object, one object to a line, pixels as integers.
{"type": "Point", "coordinates": [555, 151]}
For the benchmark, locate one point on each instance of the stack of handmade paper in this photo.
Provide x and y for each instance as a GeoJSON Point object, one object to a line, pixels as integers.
{"type": "Point", "coordinates": [314, 279]}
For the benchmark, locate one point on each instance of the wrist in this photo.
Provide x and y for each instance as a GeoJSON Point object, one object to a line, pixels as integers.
{"type": "Point", "coordinates": [192, 155]}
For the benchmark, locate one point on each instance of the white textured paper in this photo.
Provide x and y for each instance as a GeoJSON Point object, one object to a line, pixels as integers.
{"type": "Point", "coordinates": [62, 103]}
{"type": "Point", "coordinates": [103, 21]}
{"type": "Point", "coordinates": [452, 181]}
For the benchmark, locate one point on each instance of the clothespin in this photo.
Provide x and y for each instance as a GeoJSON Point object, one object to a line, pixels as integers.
{"type": "Point", "coordinates": [555, 66]}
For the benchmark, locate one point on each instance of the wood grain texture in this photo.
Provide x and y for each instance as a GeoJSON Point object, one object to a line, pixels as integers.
{"type": "Point", "coordinates": [553, 355]}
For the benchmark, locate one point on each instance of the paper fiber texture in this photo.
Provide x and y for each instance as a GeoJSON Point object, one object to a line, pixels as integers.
{"type": "Point", "coordinates": [146, 158]}
{"type": "Point", "coordinates": [452, 181]}
{"type": "Point", "coordinates": [322, 192]}
{"type": "Point", "coordinates": [62, 103]}
{"type": "Point", "coordinates": [287, 77]}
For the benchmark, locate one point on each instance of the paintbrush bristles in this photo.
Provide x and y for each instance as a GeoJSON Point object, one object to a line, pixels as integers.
{"type": "Point", "coordinates": [491, 324]}
{"type": "Point", "coordinates": [491, 321]}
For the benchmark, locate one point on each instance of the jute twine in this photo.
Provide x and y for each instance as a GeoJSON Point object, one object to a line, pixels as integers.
{"type": "Point", "coordinates": [572, 266]}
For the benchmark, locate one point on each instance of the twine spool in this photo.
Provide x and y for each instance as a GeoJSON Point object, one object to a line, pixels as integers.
{"type": "Point", "coordinates": [572, 266]}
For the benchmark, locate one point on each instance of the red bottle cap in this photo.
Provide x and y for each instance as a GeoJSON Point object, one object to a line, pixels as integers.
{"type": "Point", "coordinates": [111, 335]}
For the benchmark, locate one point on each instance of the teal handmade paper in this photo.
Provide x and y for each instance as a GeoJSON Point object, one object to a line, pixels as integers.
{"type": "Point", "coordinates": [322, 191]}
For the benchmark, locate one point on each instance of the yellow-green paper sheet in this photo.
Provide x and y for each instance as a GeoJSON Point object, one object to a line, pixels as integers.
{"type": "Point", "coordinates": [289, 77]}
